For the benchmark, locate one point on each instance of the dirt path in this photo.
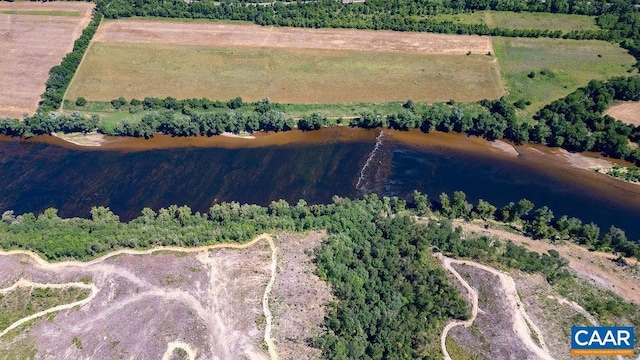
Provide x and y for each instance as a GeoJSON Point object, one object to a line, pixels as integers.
{"type": "Point", "coordinates": [593, 265]}
{"type": "Point", "coordinates": [96, 264]}
{"type": "Point", "coordinates": [271, 346]}
{"type": "Point", "coordinates": [521, 321]}
{"type": "Point", "coordinates": [473, 298]}
{"type": "Point", "coordinates": [27, 283]}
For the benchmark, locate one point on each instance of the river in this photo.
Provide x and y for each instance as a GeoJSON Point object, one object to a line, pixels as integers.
{"type": "Point", "coordinates": [130, 174]}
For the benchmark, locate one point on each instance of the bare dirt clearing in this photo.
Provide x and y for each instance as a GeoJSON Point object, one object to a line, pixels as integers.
{"type": "Point", "coordinates": [483, 283]}
{"type": "Point", "coordinates": [30, 45]}
{"type": "Point", "coordinates": [211, 302]}
{"type": "Point", "coordinates": [204, 301]}
{"type": "Point", "coordinates": [224, 35]}
{"type": "Point", "coordinates": [136, 59]}
{"type": "Point", "coordinates": [628, 112]}
{"type": "Point", "coordinates": [299, 298]}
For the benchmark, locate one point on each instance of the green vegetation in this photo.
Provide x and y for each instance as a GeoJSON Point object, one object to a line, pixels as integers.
{"type": "Point", "coordinates": [25, 301]}
{"type": "Point", "coordinates": [377, 257]}
{"type": "Point", "coordinates": [456, 351]}
{"type": "Point", "coordinates": [77, 342]}
{"type": "Point", "coordinates": [608, 308]}
{"type": "Point", "coordinates": [520, 20]}
{"type": "Point", "coordinates": [622, 172]}
{"type": "Point", "coordinates": [380, 271]}
{"type": "Point", "coordinates": [558, 66]}
{"type": "Point", "coordinates": [134, 70]}
{"type": "Point", "coordinates": [42, 12]}
{"type": "Point", "coordinates": [540, 21]}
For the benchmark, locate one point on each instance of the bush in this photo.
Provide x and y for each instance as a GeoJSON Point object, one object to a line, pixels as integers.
{"type": "Point", "coordinates": [235, 103]}
{"type": "Point", "coordinates": [118, 103]}
{"type": "Point", "coordinates": [521, 104]}
{"type": "Point", "coordinates": [81, 101]}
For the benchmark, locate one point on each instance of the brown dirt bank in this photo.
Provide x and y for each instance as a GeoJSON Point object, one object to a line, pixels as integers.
{"type": "Point", "coordinates": [129, 144]}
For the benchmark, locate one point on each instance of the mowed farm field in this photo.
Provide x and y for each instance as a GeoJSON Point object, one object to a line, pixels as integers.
{"type": "Point", "coordinates": [139, 58]}
{"type": "Point", "coordinates": [34, 37]}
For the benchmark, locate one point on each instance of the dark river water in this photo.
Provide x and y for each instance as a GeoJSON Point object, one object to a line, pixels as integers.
{"type": "Point", "coordinates": [316, 166]}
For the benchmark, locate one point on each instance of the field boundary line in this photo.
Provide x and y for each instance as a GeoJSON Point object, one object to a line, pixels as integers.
{"type": "Point", "coordinates": [75, 73]}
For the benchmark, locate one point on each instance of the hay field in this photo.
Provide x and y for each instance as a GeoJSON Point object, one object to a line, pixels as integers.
{"type": "Point", "coordinates": [33, 39]}
{"type": "Point", "coordinates": [138, 58]}
{"type": "Point", "coordinates": [559, 66]}
{"type": "Point", "coordinates": [627, 112]}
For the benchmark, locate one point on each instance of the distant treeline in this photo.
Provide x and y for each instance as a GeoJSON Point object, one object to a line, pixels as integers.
{"type": "Point", "coordinates": [619, 21]}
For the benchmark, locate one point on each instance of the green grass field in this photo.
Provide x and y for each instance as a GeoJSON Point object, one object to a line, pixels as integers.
{"type": "Point", "coordinates": [565, 65]}
{"type": "Point", "coordinates": [522, 20]}
{"type": "Point", "coordinates": [110, 70]}
{"type": "Point", "coordinates": [42, 12]}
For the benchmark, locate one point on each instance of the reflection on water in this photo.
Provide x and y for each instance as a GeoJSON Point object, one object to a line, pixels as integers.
{"type": "Point", "coordinates": [314, 166]}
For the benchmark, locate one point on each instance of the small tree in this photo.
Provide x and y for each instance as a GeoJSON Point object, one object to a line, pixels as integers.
{"type": "Point", "coordinates": [81, 101]}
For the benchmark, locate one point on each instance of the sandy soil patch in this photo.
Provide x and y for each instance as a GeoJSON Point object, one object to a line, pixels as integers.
{"type": "Point", "coordinates": [216, 34]}
{"type": "Point", "coordinates": [80, 139]}
{"type": "Point", "coordinates": [212, 302]}
{"type": "Point", "coordinates": [505, 146]}
{"type": "Point", "coordinates": [30, 45]}
{"type": "Point", "coordinates": [238, 136]}
{"type": "Point", "coordinates": [628, 112]}
{"type": "Point", "coordinates": [584, 162]}
{"type": "Point", "coordinates": [598, 267]}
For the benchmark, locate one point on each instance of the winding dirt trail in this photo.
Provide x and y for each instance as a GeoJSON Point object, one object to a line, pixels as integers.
{"type": "Point", "coordinates": [473, 298]}
{"type": "Point", "coordinates": [271, 346]}
{"type": "Point", "coordinates": [27, 283]}
{"type": "Point", "coordinates": [43, 264]}
{"type": "Point", "coordinates": [521, 321]}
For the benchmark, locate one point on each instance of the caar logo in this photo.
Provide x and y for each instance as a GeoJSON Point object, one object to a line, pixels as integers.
{"type": "Point", "coordinates": [602, 340]}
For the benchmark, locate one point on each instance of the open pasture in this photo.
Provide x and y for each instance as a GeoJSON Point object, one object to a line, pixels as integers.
{"type": "Point", "coordinates": [522, 20]}
{"type": "Point", "coordinates": [34, 37]}
{"type": "Point", "coordinates": [543, 70]}
{"type": "Point", "coordinates": [138, 58]}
